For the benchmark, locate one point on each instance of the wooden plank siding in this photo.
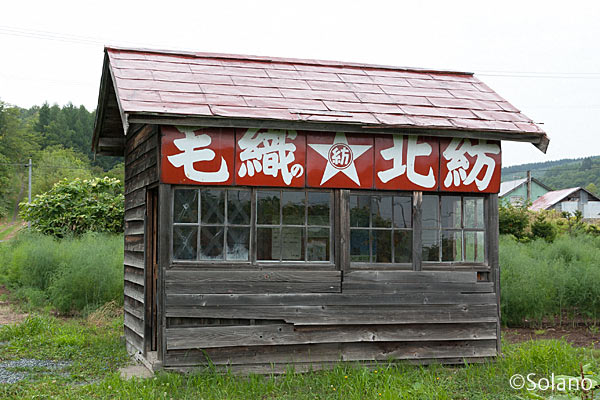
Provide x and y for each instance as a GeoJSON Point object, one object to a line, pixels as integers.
{"type": "Point", "coordinates": [141, 159]}
{"type": "Point", "coordinates": [261, 320]}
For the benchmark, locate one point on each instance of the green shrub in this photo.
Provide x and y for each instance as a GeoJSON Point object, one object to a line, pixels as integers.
{"type": "Point", "coordinates": [513, 220]}
{"type": "Point", "coordinates": [77, 206]}
{"type": "Point", "coordinates": [543, 229]}
{"type": "Point", "coordinates": [72, 274]}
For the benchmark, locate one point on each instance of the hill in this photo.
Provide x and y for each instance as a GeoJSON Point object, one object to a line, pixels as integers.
{"type": "Point", "coordinates": [560, 174]}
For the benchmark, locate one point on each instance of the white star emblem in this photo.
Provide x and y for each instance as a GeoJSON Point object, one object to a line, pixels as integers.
{"type": "Point", "coordinates": [340, 157]}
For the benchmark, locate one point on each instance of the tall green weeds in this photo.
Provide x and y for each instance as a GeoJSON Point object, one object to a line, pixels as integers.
{"type": "Point", "coordinates": [71, 275]}
{"type": "Point", "coordinates": [544, 280]}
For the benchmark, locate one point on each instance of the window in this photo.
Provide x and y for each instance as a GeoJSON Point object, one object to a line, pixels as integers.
{"type": "Point", "coordinates": [215, 224]}
{"type": "Point", "coordinates": [211, 224]}
{"type": "Point", "coordinates": [381, 228]}
{"type": "Point", "coordinates": [453, 228]}
{"type": "Point", "coordinates": [293, 225]}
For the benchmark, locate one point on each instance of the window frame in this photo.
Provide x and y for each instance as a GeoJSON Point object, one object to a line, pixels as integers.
{"type": "Point", "coordinates": [480, 266]}
{"type": "Point", "coordinates": [252, 262]}
{"type": "Point", "coordinates": [362, 265]}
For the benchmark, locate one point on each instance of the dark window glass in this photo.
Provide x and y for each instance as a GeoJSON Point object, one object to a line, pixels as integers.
{"type": "Point", "coordinates": [318, 208]}
{"type": "Point", "coordinates": [431, 245]}
{"type": "Point", "coordinates": [268, 207]}
{"type": "Point", "coordinates": [402, 212]}
{"type": "Point", "coordinates": [381, 211]}
{"type": "Point", "coordinates": [238, 247]}
{"type": "Point", "coordinates": [430, 211]}
{"type": "Point", "coordinates": [211, 243]}
{"type": "Point", "coordinates": [238, 207]}
{"type": "Point", "coordinates": [359, 211]}
{"type": "Point", "coordinates": [185, 242]}
{"type": "Point", "coordinates": [318, 244]}
{"type": "Point", "coordinates": [294, 209]}
{"type": "Point", "coordinates": [359, 245]}
{"type": "Point", "coordinates": [451, 212]}
{"type": "Point", "coordinates": [382, 246]}
{"type": "Point", "coordinates": [268, 243]}
{"type": "Point", "coordinates": [185, 207]}
{"type": "Point", "coordinates": [292, 243]}
{"type": "Point", "coordinates": [451, 245]}
{"type": "Point", "coordinates": [212, 206]}
{"type": "Point", "coordinates": [403, 246]}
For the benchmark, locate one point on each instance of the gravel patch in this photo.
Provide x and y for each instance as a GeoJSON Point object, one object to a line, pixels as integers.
{"type": "Point", "coordinates": [11, 371]}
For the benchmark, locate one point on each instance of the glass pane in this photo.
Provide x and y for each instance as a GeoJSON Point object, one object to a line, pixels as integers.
{"type": "Point", "coordinates": [292, 244]}
{"type": "Point", "coordinates": [359, 211]}
{"type": "Point", "coordinates": [211, 243]}
{"type": "Point", "coordinates": [359, 245]}
{"type": "Point", "coordinates": [431, 245]}
{"type": "Point", "coordinates": [451, 245]}
{"type": "Point", "coordinates": [185, 242]}
{"type": "Point", "coordinates": [382, 246]}
{"type": "Point", "coordinates": [238, 207]}
{"type": "Point", "coordinates": [475, 247]}
{"type": "Point", "coordinates": [186, 206]}
{"type": "Point", "coordinates": [212, 206]}
{"type": "Point", "coordinates": [381, 211]}
{"type": "Point", "coordinates": [430, 211]}
{"type": "Point", "coordinates": [403, 246]}
{"type": "Point", "coordinates": [474, 212]}
{"type": "Point", "coordinates": [267, 207]}
{"type": "Point", "coordinates": [268, 243]}
{"type": "Point", "coordinates": [318, 208]}
{"type": "Point", "coordinates": [238, 240]}
{"type": "Point", "coordinates": [402, 211]}
{"type": "Point", "coordinates": [451, 212]}
{"type": "Point", "coordinates": [293, 207]}
{"type": "Point", "coordinates": [318, 244]}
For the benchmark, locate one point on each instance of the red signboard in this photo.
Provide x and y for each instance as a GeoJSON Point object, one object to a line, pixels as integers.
{"type": "Point", "coordinates": [470, 165]}
{"type": "Point", "coordinates": [405, 162]}
{"type": "Point", "coordinates": [287, 158]}
{"type": "Point", "coordinates": [337, 160]}
{"type": "Point", "coordinates": [197, 155]}
{"type": "Point", "coordinates": [270, 157]}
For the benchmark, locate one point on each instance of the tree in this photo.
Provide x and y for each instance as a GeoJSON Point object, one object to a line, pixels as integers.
{"type": "Point", "coordinates": [592, 188]}
{"type": "Point", "coordinates": [55, 163]}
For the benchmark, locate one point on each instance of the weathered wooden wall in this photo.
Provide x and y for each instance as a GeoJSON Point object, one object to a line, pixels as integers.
{"type": "Point", "coordinates": [141, 170]}
{"type": "Point", "coordinates": [254, 320]}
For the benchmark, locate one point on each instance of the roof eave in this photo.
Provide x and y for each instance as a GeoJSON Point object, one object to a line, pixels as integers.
{"type": "Point", "coordinates": [538, 139]}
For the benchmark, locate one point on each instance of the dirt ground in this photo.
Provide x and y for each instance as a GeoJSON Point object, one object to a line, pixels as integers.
{"type": "Point", "coordinates": [580, 336]}
{"type": "Point", "coordinates": [8, 315]}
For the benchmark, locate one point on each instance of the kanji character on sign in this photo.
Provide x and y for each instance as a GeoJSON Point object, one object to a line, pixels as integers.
{"type": "Point", "coordinates": [413, 150]}
{"type": "Point", "coordinates": [458, 163]}
{"type": "Point", "coordinates": [192, 153]}
{"type": "Point", "coordinates": [269, 153]}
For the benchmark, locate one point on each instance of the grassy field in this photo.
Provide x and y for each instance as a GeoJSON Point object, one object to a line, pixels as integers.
{"type": "Point", "coordinates": [95, 350]}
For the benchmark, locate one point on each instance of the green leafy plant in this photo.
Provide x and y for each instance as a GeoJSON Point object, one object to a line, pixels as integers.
{"type": "Point", "coordinates": [77, 206]}
{"type": "Point", "coordinates": [542, 228]}
{"type": "Point", "coordinates": [513, 219]}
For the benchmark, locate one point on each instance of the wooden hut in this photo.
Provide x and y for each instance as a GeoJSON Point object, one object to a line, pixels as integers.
{"type": "Point", "coordinates": [284, 211]}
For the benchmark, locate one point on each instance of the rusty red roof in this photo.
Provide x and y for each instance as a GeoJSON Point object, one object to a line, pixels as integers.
{"type": "Point", "coordinates": [230, 86]}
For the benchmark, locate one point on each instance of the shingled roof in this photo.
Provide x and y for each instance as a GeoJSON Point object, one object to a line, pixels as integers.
{"type": "Point", "coordinates": [144, 86]}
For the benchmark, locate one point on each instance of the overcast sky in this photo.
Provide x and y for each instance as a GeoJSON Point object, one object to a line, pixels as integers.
{"type": "Point", "coordinates": [542, 56]}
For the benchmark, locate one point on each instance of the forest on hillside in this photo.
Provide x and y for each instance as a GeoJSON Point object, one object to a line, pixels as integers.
{"type": "Point", "coordinates": [560, 174]}
{"type": "Point", "coordinates": [57, 139]}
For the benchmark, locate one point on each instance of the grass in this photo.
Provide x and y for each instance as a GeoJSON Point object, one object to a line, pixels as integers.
{"type": "Point", "coordinates": [542, 280]}
{"type": "Point", "coordinates": [95, 350]}
{"type": "Point", "coordinates": [8, 229]}
{"type": "Point", "coordinates": [42, 270]}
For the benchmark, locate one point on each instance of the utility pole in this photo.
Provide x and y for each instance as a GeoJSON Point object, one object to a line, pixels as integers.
{"type": "Point", "coordinates": [30, 167]}
{"type": "Point", "coordinates": [528, 186]}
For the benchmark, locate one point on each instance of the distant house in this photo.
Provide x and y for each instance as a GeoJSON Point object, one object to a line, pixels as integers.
{"type": "Point", "coordinates": [571, 200]}
{"type": "Point", "coordinates": [516, 191]}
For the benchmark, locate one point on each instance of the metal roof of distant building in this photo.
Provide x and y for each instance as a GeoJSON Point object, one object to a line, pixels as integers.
{"type": "Point", "coordinates": [551, 198]}
{"type": "Point", "coordinates": [206, 85]}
